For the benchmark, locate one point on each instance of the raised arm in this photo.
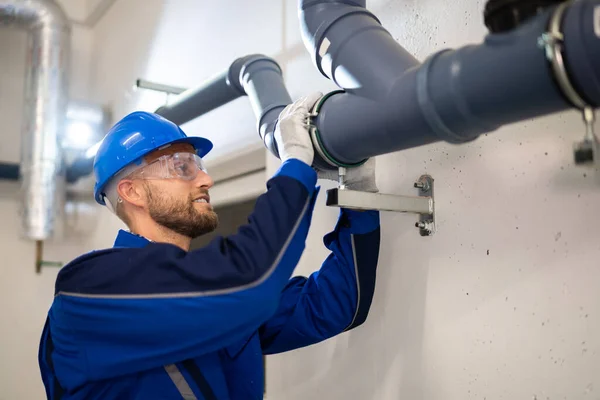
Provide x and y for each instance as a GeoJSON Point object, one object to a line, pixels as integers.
{"type": "Point", "coordinates": [335, 298]}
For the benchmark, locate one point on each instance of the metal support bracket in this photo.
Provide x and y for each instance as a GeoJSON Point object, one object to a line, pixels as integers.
{"type": "Point", "coordinates": [423, 204]}
{"type": "Point", "coordinates": [158, 87]}
{"type": "Point", "coordinates": [40, 262]}
{"type": "Point", "coordinates": [168, 90]}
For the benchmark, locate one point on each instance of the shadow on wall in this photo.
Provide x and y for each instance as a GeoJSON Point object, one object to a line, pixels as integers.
{"type": "Point", "coordinates": [391, 339]}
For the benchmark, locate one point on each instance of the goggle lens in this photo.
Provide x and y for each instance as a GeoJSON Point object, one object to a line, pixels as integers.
{"type": "Point", "coordinates": [185, 166]}
{"type": "Point", "coordinates": [178, 165]}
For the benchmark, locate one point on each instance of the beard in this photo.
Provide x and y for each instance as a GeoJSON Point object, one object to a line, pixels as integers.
{"type": "Point", "coordinates": [179, 214]}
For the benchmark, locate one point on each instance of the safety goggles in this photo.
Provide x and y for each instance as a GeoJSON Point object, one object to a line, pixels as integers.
{"type": "Point", "coordinates": [171, 166]}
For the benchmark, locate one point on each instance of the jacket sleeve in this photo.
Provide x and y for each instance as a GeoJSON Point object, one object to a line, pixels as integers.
{"type": "Point", "coordinates": [335, 298]}
{"type": "Point", "coordinates": [120, 311]}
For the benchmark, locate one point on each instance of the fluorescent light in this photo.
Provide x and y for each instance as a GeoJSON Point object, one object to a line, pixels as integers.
{"type": "Point", "coordinates": [78, 135]}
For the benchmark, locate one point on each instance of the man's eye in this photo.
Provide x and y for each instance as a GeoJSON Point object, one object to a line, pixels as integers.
{"type": "Point", "coordinates": [182, 167]}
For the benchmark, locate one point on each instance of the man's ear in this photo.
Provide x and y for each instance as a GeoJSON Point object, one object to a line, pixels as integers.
{"type": "Point", "coordinates": [132, 192]}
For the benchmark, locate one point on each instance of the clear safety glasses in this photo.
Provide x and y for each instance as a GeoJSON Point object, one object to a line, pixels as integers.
{"type": "Point", "coordinates": [178, 165]}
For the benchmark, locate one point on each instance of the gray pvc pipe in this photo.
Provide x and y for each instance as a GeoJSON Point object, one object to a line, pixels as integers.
{"type": "Point", "coordinates": [194, 102]}
{"type": "Point", "coordinates": [257, 76]}
{"type": "Point", "coordinates": [582, 41]}
{"type": "Point", "coordinates": [392, 102]}
{"type": "Point", "coordinates": [349, 46]}
{"type": "Point", "coordinates": [262, 80]}
{"type": "Point", "coordinates": [454, 96]}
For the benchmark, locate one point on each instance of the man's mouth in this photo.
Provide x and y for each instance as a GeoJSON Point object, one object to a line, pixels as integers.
{"type": "Point", "coordinates": [203, 199]}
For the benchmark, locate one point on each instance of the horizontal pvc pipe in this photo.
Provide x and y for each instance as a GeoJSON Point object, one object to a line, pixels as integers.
{"type": "Point", "coordinates": [257, 76]}
{"type": "Point", "coordinates": [391, 102]}
{"type": "Point", "coordinates": [457, 95]}
{"type": "Point", "coordinates": [194, 102]}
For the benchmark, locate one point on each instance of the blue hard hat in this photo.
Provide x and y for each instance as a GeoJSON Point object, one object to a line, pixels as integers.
{"type": "Point", "coordinates": [136, 135]}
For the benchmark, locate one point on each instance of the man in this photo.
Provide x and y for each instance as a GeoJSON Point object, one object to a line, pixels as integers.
{"type": "Point", "coordinates": [149, 319]}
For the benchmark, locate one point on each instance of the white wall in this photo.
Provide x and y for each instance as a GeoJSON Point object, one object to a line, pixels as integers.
{"type": "Point", "coordinates": [448, 320]}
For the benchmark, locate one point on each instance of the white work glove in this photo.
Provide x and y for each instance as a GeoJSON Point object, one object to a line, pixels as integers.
{"type": "Point", "coordinates": [291, 134]}
{"type": "Point", "coordinates": [361, 178]}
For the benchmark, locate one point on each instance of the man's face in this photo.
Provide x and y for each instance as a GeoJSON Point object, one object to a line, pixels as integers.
{"type": "Point", "coordinates": [179, 205]}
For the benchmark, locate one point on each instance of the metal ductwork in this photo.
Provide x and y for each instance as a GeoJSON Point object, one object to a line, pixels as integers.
{"type": "Point", "coordinates": [46, 93]}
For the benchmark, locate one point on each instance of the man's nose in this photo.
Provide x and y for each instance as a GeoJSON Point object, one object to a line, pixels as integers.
{"type": "Point", "coordinates": [203, 180]}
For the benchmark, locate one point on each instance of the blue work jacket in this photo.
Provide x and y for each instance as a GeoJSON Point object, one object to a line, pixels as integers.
{"type": "Point", "coordinates": [146, 320]}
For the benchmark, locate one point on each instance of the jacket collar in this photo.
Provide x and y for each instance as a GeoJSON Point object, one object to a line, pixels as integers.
{"type": "Point", "coordinates": [128, 239]}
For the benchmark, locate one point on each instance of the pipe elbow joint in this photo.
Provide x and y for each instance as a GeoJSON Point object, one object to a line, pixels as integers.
{"type": "Point", "coordinates": [240, 71]}
{"type": "Point", "coordinates": [261, 78]}
{"type": "Point", "coordinates": [317, 18]}
{"type": "Point", "coordinates": [35, 15]}
{"type": "Point", "coordinates": [53, 15]}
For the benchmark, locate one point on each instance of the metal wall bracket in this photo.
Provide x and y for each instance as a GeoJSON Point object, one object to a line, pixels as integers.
{"type": "Point", "coordinates": [168, 90]}
{"type": "Point", "coordinates": [40, 262]}
{"type": "Point", "coordinates": [158, 87]}
{"type": "Point", "coordinates": [423, 204]}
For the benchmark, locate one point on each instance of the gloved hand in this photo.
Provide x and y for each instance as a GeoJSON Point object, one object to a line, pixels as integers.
{"type": "Point", "coordinates": [361, 178]}
{"type": "Point", "coordinates": [291, 134]}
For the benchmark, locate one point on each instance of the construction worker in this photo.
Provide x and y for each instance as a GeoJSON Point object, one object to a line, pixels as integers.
{"type": "Point", "coordinates": [149, 319]}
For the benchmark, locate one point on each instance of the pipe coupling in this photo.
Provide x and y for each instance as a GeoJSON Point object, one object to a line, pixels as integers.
{"type": "Point", "coordinates": [552, 42]}
{"type": "Point", "coordinates": [323, 159]}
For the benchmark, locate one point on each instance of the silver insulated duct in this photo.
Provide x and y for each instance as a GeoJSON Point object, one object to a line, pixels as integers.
{"type": "Point", "coordinates": [45, 103]}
